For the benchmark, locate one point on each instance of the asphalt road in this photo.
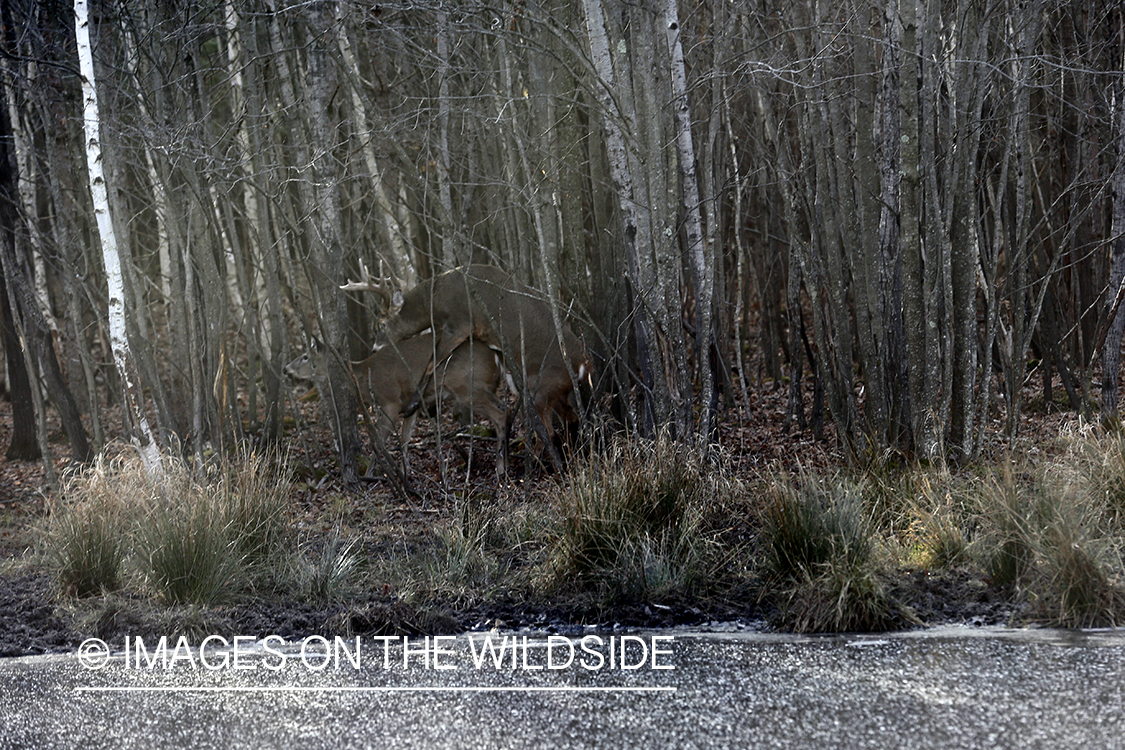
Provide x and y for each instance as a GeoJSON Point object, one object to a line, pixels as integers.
{"type": "Point", "coordinates": [950, 688]}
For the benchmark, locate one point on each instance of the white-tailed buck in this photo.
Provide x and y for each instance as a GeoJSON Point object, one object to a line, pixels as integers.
{"type": "Point", "coordinates": [388, 378]}
{"type": "Point", "coordinates": [486, 303]}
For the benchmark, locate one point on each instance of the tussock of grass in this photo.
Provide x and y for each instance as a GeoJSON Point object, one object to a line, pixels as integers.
{"type": "Point", "coordinates": [196, 536]}
{"type": "Point", "coordinates": [944, 543]}
{"type": "Point", "coordinates": [480, 552]}
{"type": "Point", "coordinates": [1008, 515]}
{"type": "Point", "coordinates": [467, 555]}
{"type": "Point", "coordinates": [85, 537]}
{"type": "Point", "coordinates": [811, 523]}
{"type": "Point", "coordinates": [1050, 539]}
{"type": "Point", "coordinates": [1079, 591]}
{"type": "Point", "coordinates": [937, 537]}
{"type": "Point", "coordinates": [1095, 470]}
{"type": "Point", "coordinates": [821, 560]}
{"type": "Point", "coordinates": [189, 554]}
{"type": "Point", "coordinates": [253, 501]}
{"type": "Point", "coordinates": [631, 521]}
{"type": "Point", "coordinates": [207, 535]}
{"type": "Point", "coordinates": [840, 599]}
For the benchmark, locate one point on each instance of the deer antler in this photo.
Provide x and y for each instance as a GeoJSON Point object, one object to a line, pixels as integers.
{"type": "Point", "coordinates": [385, 285]}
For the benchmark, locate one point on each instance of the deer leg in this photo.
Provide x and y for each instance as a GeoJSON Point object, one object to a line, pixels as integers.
{"type": "Point", "coordinates": [499, 419]}
{"type": "Point", "coordinates": [545, 412]}
{"type": "Point", "coordinates": [374, 434]}
{"type": "Point", "coordinates": [411, 409]}
{"type": "Point", "coordinates": [546, 417]}
{"type": "Point", "coordinates": [404, 439]}
{"type": "Point", "coordinates": [380, 431]}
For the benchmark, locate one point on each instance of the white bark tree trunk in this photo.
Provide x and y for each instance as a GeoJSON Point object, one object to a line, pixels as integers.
{"type": "Point", "coordinates": [141, 436]}
{"type": "Point", "coordinates": [397, 250]}
{"type": "Point", "coordinates": [635, 219]}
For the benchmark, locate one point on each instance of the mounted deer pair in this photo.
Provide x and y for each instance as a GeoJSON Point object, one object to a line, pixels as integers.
{"type": "Point", "coordinates": [388, 380]}
{"type": "Point", "coordinates": [486, 304]}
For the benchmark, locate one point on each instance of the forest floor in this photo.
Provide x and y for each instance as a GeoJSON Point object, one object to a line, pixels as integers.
{"type": "Point", "coordinates": [36, 618]}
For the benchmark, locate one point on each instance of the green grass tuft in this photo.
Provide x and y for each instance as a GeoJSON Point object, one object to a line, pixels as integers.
{"type": "Point", "coordinates": [812, 523]}
{"type": "Point", "coordinates": [330, 574]}
{"type": "Point", "coordinates": [189, 554]}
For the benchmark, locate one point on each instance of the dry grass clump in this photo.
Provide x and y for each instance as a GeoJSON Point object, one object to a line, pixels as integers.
{"type": "Point", "coordinates": [631, 520]}
{"type": "Point", "coordinates": [196, 535]}
{"type": "Point", "coordinates": [329, 575]}
{"type": "Point", "coordinates": [485, 548]}
{"type": "Point", "coordinates": [473, 553]}
{"type": "Point", "coordinates": [941, 520]}
{"type": "Point", "coordinates": [1081, 590]}
{"type": "Point", "coordinates": [1009, 529]}
{"type": "Point", "coordinates": [85, 539]}
{"type": "Point", "coordinates": [1055, 539]}
{"type": "Point", "coordinates": [1048, 537]}
{"type": "Point", "coordinates": [1095, 470]}
{"type": "Point", "coordinates": [822, 559]}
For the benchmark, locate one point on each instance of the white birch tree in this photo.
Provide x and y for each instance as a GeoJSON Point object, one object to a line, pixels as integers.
{"type": "Point", "coordinates": [141, 435]}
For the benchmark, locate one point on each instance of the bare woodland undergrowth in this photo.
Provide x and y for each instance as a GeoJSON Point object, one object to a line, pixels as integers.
{"type": "Point", "coordinates": [772, 532]}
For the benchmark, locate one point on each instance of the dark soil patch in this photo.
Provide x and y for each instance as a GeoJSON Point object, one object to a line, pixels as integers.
{"type": "Point", "coordinates": [953, 596]}
{"type": "Point", "coordinates": [29, 620]}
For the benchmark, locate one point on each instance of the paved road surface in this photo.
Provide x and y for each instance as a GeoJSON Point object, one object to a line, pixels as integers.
{"type": "Point", "coordinates": [951, 688]}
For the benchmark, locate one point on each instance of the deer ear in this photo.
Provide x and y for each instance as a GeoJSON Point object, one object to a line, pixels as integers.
{"type": "Point", "coordinates": [396, 302]}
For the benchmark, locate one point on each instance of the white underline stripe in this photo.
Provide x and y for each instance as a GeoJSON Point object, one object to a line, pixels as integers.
{"type": "Point", "coordinates": [436, 689]}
